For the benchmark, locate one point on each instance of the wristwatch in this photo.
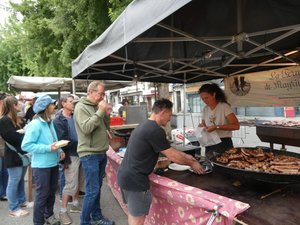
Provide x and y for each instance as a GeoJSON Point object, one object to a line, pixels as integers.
{"type": "Point", "coordinates": [218, 127]}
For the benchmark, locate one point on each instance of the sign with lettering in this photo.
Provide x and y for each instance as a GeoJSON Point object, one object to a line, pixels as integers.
{"type": "Point", "coordinates": [280, 87]}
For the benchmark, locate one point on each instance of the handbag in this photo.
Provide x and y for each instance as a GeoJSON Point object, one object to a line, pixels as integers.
{"type": "Point", "coordinates": [26, 158]}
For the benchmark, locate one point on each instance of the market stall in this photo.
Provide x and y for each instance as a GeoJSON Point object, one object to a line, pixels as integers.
{"type": "Point", "coordinates": [176, 203]}
{"type": "Point", "coordinates": [184, 197]}
{"type": "Point", "coordinates": [190, 41]}
{"type": "Point", "coordinates": [278, 135]}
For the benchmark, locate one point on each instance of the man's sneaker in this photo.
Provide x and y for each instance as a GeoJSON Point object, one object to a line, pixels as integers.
{"type": "Point", "coordinates": [81, 194]}
{"type": "Point", "coordinates": [52, 221]}
{"type": "Point", "coordinates": [3, 198]}
{"type": "Point", "coordinates": [65, 218]}
{"type": "Point", "coordinates": [75, 209]}
{"type": "Point", "coordinates": [19, 213]}
{"type": "Point", "coordinates": [27, 204]}
{"type": "Point", "coordinates": [103, 221]}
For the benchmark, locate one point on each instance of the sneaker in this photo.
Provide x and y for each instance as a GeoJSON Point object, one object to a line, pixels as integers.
{"type": "Point", "coordinates": [19, 213]}
{"type": "Point", "coordinates": [103, 221]}
{"type": "Point", "coordinates": [27, 205]}
{"type": "Point", "coordinates": [65, 218]}
{"type": "Point", "coordinates": [52, 221]}
{"type": "Point", "coordinates": [81, 194]}
{"type": "Point", "coordinates": [75, 209]}
{"type": "Point", "coordinates": [3, 198]}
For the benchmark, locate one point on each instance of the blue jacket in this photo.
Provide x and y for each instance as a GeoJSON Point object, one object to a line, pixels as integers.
{"type": "Point", "coordinates": [62, 129]}
{"type": "Point", "coordinates": [37, 140]}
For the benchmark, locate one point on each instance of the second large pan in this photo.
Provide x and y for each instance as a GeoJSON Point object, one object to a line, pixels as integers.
{"type": "Point", "coordinates": [260, 176]}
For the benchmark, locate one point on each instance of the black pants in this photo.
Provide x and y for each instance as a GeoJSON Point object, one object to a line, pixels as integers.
{"type": "Point", "coordinates": [45, 187]}
{"type": "Point", "coordinates": [225, 144]}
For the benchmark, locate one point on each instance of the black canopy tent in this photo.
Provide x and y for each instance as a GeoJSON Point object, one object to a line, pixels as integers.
{"type": "Point", "coordinates": [185, 41]}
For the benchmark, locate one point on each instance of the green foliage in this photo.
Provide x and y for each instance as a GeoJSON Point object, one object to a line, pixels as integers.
{"type": "Point", "coordinates": [117, 7]}
{"type": "Point", "coordinates": [43, 37]}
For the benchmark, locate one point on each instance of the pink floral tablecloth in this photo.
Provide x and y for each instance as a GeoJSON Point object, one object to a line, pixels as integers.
{"type": "Point", "coordinates": [176, 203]}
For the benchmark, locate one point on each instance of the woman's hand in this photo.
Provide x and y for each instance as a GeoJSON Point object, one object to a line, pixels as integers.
{"type": "Point", "coordinates": [211, 128]}
{"type": "Point", "coordinates": [54, 147]}
{"type": "Point", "coordinates": [62, 156]}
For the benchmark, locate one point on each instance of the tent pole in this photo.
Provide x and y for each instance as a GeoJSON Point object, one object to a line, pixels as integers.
{"type": "Point", "coordinates": [184, 108]}
{"type": "Point", "coordinates": [73, 87]}
{"type": "Point", "coordinates": [58, 100]}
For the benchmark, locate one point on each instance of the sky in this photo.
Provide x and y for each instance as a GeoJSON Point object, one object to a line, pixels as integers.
{"type": "Point", "coordinates": [4, 9]}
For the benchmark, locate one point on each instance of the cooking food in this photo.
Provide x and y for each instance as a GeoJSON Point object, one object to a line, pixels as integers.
{"type": "Point", "coordinates": [283, 123]}
{"type": "Point", "coordinates": [259, 160]}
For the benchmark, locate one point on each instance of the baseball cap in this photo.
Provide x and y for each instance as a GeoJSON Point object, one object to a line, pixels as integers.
{"type": "Point", "coordinates": [42, 103]}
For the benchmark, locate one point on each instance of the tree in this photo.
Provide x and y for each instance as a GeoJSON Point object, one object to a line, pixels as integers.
{"type": "Point", "coordinates": [50, 34]}
{"type": "Point", "coordinates": [117, 7]}
{"type": "Point", "coordinates": [10, 55]}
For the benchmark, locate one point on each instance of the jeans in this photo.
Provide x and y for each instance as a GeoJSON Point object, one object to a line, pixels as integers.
{"type": "Point", "coordinates": [94, 171]}
{"type": "Point", "coordinates": [45, 188]}
{"type": "Point", "coordinates": [15, 188]}
{"type": "Point", "coordinates": [3, 178]}
{"type": "Point", "coordinates": [61, 179]}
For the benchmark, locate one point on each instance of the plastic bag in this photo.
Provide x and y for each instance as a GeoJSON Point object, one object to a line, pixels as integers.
{"type": "Point", "coordinates": [206, 138]}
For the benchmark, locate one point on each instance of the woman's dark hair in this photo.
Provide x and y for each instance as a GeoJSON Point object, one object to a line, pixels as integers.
{"type": "Point", "coordinates": [124, 101]}
{"type": "Point", "coordinates": [214, 88]}
{"type": "Point", "coordinates": [8, 109]}
{"type": "Point", "coordinates": [161, 104]}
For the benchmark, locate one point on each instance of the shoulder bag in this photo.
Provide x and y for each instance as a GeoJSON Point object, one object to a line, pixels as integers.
{"type": "Point", "coordinates": [26, 158]}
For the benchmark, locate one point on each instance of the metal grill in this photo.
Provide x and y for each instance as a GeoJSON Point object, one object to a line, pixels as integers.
{"type": "Point", "coordinates": [240, 134]}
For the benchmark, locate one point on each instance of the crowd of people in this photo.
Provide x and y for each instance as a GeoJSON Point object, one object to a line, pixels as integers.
{"type": "Point", "coordinates": [82, 160]}
{"type": "Point", "coordinates": [37, 132]}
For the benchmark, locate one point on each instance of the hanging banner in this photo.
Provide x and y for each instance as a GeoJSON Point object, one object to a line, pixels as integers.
{"type": "Point", "coordinates": [280, 87]}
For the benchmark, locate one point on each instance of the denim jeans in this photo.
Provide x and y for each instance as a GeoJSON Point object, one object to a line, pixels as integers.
{"type": "Point", "coordinates": [3, 178]}
{"type": "Point", "coordinates": [94, 170]}
{"type": "Point", "coordinates": [45, 187]}
{"type": "Point", "coordinates": [61, 179]}
{"type": "Point", "coordinates": [15, 188]}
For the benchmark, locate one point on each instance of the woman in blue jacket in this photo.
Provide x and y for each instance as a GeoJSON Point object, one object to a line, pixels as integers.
{"type": "Point", "coordinates": [40, 140]}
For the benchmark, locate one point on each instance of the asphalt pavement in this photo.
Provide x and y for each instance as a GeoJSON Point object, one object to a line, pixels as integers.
{"type": "Point", "coordinates": [109, 205]}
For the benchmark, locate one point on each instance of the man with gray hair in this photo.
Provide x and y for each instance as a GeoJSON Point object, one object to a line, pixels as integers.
{"type": "Point", "coordinates": [65, 129]}
{"type": "Point", "coordinates": [92, 115]}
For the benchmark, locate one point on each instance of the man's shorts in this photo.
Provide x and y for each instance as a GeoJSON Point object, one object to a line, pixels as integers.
{"type": "Point", "coordinates": [138, 202]}
{"type": "Point", "coordinates": [74, 177]}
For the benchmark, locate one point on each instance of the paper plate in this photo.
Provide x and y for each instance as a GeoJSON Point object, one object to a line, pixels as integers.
{"type": "Point", "coordinates": [62, 143]}
{"type": "Point", "coordinates": [178, 167]}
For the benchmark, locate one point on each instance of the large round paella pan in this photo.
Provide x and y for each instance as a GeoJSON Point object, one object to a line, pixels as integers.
{"type": "Point", "coordinates": [261, 164]}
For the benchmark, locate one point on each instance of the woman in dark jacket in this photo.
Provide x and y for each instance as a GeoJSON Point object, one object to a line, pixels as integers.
{"type": "Point", "coordinates": [11, 131]}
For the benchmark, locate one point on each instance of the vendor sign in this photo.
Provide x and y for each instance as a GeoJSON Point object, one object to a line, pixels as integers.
{"type": "Point", "coordinates": [280, 87]}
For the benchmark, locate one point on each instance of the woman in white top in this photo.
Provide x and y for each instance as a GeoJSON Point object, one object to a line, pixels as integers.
{"type": "Point", "coordinates": [217, 115]}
